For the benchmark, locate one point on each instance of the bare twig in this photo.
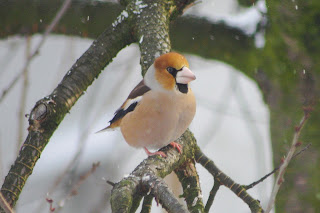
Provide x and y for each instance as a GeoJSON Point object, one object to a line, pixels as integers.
{"type": "Point", "coordinates": [274, 170]}
{"type": "Point", "coordinates": [5, 205]}
{"type": "Point", "coordinates": [49, 29]}
{"type": "Point", "coordinates": [225, 180]}
{"type": "Point", "coordinates": [76, 186]}
{"type": "Point", "coordinates": [286, 160]}
{"type": "Point", "coordinates": [50, 201]}
{"type": "Point", "coordinates": [23, 99]}
{"type": "Point", "coordinates": [110, 183]}
{"type": "Point", "coordinates": [212, 195]}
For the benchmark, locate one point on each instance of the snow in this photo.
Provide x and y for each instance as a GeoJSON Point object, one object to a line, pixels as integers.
{"type": "Point", "coordinates": [246, 19]}
{"type": "Point", "coordinates": [229, 12]}
{"type": "Point", "coordinates": [124, 14]}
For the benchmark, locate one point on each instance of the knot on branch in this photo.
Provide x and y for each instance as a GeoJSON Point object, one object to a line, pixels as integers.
{"type": "Point", "coordinates": [39, 114]}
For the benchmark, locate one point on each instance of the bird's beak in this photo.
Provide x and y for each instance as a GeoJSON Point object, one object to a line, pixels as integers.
{"type": "Point", "coordinates": [185, 76]}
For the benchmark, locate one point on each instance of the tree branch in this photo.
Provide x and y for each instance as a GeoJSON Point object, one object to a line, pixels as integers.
{"type": "Point", "coordinates": [147, 203]}
{"type": "Point", "coordinates": [284, 164]}
{"type": "Point", "coordinates": [189, 179]}
{"type": "Point", "coordinates": [223, 179]}
{"type": "Point", "coordinates": [50, 111]}
{"type": "Point", "coordinates": [212, 195]}
{"type": "Point", "coordinates": [247, 187]}
{"type": "Point", "coordinates": [163, 195]}
{"type": "Point", "coordinates": [124, 191]}
{"type": "Point", "coordinates": [4, 205]}
{"type": "Point", "coordinates": [153, 31]}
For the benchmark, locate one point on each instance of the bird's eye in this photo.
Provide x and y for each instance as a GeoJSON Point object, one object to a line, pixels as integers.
{"type": "Point", "coordinates": [171, 69]}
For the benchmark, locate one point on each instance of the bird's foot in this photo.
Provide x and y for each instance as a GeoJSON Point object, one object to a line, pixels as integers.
{"type": "Point", "coordinates": [155, 153]}
{"type": "Point", "coordinates": [177, 146]}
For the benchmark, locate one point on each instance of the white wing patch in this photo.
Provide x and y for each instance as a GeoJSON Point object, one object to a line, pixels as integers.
{"type": "Point", "coordinates": [131, 101]}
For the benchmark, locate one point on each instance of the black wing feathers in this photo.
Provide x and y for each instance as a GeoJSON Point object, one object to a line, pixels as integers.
{"type": "Point", "coordinates": [139, 90]}
{"type": "Point", "coordinates": [120, 113]}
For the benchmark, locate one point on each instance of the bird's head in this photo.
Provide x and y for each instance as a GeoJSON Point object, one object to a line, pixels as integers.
{"type": "Point", "coordinates": [169, 72]}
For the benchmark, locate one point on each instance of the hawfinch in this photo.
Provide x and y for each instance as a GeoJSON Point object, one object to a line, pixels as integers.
{"type": "Point", "coordinates": [160, 108]}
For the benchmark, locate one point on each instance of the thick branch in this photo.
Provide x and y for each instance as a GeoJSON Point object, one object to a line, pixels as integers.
{"type": "Point", "coordinates": [153, 31]}
{"type": "Point", "coordinates": [153, 28]}
{"type": "Point", "coordinates": [50, 111]}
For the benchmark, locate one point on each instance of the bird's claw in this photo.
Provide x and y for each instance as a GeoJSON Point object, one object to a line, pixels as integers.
{"type": "Point", "coordinates": [162, 154]}
{"type": "Point", "coordinates": [177, 146]}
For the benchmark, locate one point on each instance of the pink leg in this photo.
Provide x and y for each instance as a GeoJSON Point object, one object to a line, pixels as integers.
{"type": "Point", "coordinates": [155, 153]}
{"type": "Point", "coordinates": [177, 146]}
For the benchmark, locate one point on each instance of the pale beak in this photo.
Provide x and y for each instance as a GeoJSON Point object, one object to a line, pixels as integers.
{"type": "Point", "coordinates": [185, 76]}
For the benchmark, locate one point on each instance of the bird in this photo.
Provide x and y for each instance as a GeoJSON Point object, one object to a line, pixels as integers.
{"type": "Point", "coordinates": [160, 108]}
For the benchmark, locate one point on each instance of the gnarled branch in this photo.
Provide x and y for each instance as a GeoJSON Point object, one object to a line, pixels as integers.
{"type": "Point", "coordinates": [50, 111]}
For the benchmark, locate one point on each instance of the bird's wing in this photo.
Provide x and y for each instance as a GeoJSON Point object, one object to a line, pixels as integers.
{"type": "Point", "coordinates": [128, 106]}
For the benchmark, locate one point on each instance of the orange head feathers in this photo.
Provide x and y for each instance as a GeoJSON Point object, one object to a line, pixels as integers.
{"type": "Point", "coordinates": [170, 71]}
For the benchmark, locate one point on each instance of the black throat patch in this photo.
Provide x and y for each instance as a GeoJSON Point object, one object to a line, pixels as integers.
{"type": "Point", "coordinates": [183, 88]}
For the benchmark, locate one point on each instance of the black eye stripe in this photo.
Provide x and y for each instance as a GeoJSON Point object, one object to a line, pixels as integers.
{"type": "Point", "coordinates": [173, 71]}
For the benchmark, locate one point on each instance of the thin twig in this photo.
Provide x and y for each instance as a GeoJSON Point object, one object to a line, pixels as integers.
{"type": "Point", "coordinates": [48, 30]}
{"type": "Point", "coordinates": [76, 186]}
{"type": "Point", "coordinates": [5, 205]}
{"type": "Point", "coordinates": [285, 162]}
{"type": "Point", "coordinates": [212, 195]}
{"type": "Point", "coordinates": [110, 183]}
{"type": "Point", "coordinates": [274, 170]}
{"type": "Point", "coordinates": [50, 201]}
{"type": "Point", "coordinates": [225, 180]}
{"type": "Point", "coordinates": [23, 99]}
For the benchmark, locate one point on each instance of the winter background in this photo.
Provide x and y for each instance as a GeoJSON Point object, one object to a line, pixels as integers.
{"type": "Point", "coordinates": [231, 124]}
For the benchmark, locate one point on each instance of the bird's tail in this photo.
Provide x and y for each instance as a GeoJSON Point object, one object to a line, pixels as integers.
{"type": "Point", "coordinates": [108, 128]}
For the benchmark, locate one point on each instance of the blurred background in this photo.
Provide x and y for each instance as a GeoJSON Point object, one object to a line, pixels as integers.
{"type": "Point", "coordinates": [232, 123]}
